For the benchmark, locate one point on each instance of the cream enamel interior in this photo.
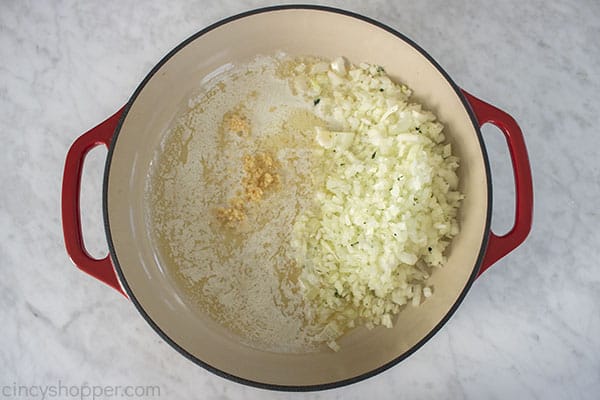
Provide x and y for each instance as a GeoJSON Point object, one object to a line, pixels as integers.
{"type": "Point", "coordinates": [297, 32]}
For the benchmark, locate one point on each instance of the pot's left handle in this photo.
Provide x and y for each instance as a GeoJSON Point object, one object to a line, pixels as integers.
{"type": "Point", "coordinates": [101, 269]}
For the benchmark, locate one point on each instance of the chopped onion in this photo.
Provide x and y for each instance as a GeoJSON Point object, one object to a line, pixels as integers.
{"type": "Point", "coordinates": [386, 209]}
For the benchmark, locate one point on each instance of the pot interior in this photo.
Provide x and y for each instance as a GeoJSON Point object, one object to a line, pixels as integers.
{"type": "Point", "coordinates": [160, 99]}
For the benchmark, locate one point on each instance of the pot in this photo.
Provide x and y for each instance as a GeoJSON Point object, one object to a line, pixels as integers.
{"type": "Point", "coordinates": [134, 132]}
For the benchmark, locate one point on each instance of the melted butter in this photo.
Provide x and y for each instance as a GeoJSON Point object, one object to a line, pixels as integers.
{"type": "Point", "coordinates": [242, 276]}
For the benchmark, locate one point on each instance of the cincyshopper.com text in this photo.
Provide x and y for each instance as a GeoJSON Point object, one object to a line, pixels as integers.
{"type": "Point", "coordinates": [82, 391]}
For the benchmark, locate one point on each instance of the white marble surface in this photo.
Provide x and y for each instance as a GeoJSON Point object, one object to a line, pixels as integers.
{"type": "Point", "coordinates": [529, 328]}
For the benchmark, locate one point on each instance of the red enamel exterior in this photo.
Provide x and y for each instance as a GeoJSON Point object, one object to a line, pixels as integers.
{"type": "Point", "coordinates": [101, 269]}
{"type": "Point", "coordinates": [499, 246]}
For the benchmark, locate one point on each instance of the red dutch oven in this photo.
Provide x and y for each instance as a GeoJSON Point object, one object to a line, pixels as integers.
{"type": "Point", "coordinates": [133, 134]}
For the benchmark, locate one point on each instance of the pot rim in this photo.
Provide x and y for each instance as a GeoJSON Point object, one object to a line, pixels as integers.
{"type": "Point", "coordinates": [264, 385]}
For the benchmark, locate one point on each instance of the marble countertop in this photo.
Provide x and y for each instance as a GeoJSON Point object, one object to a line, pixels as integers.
{"type": "Point", "coordinates": [530, 326]}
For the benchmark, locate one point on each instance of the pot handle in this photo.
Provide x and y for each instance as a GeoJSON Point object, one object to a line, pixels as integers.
{"type": "Point", "coordinates": [499, 246]}
{"type": "Point", "coordinates": [101, 269]}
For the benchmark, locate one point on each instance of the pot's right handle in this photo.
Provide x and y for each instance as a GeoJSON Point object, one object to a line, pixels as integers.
{"type": "Point", "coordinates": [499, 246]}
{"type": "Point", "coordinates": [101, 269]}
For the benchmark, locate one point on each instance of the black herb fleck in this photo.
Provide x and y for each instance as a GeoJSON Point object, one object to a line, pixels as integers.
{"type": "Point", "coordinates": [381, 89]}
{"type": "Point", "coordinates": [373, 155]}
{"type": "Point", "coordinates": [316, 101]}
{"type": "Point", "coordinates": [354, 244]}
{"type": "Point", "coordinates": [429, 249]}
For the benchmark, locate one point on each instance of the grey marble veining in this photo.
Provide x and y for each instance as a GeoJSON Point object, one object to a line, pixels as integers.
{"type": "Point", "coordinates": [529, 328]}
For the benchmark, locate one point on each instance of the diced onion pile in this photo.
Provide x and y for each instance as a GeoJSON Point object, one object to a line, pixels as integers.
{"type": "Point", "coordinates": [386, 207]}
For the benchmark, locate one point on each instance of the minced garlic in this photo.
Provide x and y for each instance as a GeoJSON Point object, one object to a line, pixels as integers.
{"type": "Point", "coordinates": [261, 174]}
{"type": "Point", "coordinates": [236, 122]}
